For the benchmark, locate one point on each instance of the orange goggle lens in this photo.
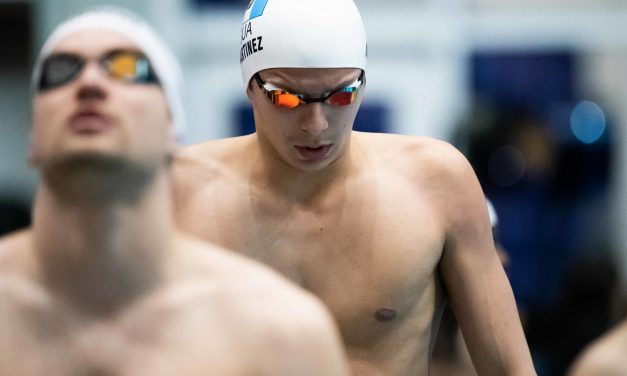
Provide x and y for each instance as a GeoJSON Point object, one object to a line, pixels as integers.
{"type": "Point", "coordinates": [125, 66]}
{"type": "Point", "coordinates": [285, 99]}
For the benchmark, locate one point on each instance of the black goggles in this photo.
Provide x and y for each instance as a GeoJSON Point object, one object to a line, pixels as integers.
{"type": "Point", "coordinates": [122, 65]}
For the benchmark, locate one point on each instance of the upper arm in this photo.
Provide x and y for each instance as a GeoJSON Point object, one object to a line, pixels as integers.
{"type": "Point", "coordinates": [479, 291]}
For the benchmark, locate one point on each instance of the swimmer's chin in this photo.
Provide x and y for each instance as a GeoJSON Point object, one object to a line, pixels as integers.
{"type": "Point", "coordinates": [41, 160]}
{"type": "Point", "coordinates": [97, 177]}
{"type": "Point", "coordinates": [91, 161]}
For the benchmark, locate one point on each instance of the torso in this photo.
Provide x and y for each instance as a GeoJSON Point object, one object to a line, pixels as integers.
{"type": "Point", "coordinates": [192, 326]}
{"type": "Point", "coordinates": [369, 247]}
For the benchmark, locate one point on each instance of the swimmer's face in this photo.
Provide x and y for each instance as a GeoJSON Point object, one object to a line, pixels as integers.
{"type": "Point", "coordinates": [310, 136]}
{"type": "Point", "coordinates": [97, 116]}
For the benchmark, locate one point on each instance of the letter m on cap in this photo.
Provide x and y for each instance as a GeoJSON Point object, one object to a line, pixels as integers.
{"type": "Point", "coordinates": [255, 9]}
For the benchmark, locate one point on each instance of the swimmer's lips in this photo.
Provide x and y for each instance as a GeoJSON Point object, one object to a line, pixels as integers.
{"type": "Point", "coordinates": [314, 152]}
{"type": "Point", "coordinates": [89, 122]}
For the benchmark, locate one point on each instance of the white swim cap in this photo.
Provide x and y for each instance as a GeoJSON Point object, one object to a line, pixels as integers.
{"type": "Point", "coordinates": [301, 34]}
{"type": "Point", "coordinates": [134, 28]}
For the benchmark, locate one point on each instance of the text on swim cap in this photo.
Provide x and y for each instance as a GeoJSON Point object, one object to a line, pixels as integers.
{"type": "Point", "coordinates": [252, 45]}
{"type": "Point", "coordinates": [247, 29]}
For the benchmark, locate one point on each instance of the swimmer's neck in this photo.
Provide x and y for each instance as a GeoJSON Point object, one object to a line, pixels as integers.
{"type": "Point", "coordinates": [269, 171]}
{"type": "Point", "coordinates": [99, 257]}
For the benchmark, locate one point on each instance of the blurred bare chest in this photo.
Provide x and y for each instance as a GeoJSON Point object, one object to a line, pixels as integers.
{"type": "Point", "coordinates": [49, 342]}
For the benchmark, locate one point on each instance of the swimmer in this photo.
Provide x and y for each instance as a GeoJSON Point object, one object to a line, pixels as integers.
{"type": "Point", "coordinates": [384, 229]}
{"type": "Point", "coordinates": [103, 283]}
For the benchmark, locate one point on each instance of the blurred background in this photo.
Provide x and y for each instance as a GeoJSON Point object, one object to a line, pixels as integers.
{"type": "Point", "coordinates": [534, 92]}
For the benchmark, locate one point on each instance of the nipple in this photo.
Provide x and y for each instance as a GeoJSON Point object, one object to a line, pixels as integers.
{"type": "Point", "coordinates": [385, 314]}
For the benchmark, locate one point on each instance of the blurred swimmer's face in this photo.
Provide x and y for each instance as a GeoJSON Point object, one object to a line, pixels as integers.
{"type": "Point", "coordinates": [98, 98]}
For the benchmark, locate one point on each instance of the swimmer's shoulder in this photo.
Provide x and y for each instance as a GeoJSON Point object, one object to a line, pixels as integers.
{"type": "Point", "coordinates": [212, 152]}
{"type": "Point", "coordinates": [14, 248]}
{"type": "Point", "coordinates": [605, 356]}
{"type": "Point", "coordinates": [19, 286]}
{"type": "Point", "coordinates": [436, 158]}
{"type": "Point", "coordinates": [295, 328]}
{"type": "Point", "coordinates": [269, 311]}
{"type": "Point", "coordinates": [196, 165]}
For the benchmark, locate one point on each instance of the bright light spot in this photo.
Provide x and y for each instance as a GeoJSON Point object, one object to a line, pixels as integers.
{"type": "Point", "coordinates": [587, 121]}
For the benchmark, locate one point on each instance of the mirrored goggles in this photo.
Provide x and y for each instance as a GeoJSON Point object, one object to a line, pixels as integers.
{"type": "Point", "coordinates": [284, 99]}
{"type": "Point", "coordinates": [122, 65]}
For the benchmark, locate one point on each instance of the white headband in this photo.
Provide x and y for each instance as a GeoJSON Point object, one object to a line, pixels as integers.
{"type": "Point", "coordinates": [301, 34]}
{"type": "Point", "coordinates": [134, 28]}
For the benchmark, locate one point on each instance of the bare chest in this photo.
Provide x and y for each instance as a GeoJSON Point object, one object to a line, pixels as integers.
{"type": "Point", "coordinates": [371, 256]}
